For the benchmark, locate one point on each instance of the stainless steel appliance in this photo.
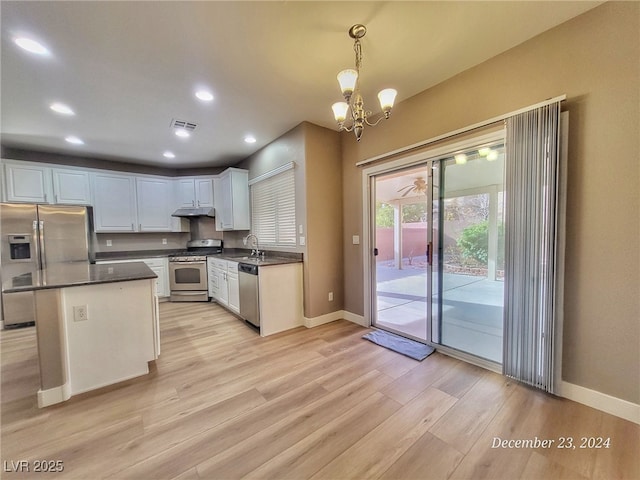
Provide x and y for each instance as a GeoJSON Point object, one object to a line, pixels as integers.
{"type": "Point", "coordinates": [35, 236]}
{"type": "Point", "coordinates": [249, 293]}
{"type": "Point", "coordinates": [188, 271]}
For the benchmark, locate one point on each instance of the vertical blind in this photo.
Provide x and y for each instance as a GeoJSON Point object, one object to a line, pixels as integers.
{"type": "Point", "coordinates": [531, 239]}
{"type": "Point", "coordinates": [273, 209]}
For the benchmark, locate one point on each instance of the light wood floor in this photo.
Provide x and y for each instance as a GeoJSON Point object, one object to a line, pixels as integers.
{"type": "Point", "coordinates": [321, 403]}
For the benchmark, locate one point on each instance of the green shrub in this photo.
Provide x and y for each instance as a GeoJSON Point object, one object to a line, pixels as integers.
{"type": "Point", "coordinates": [474, 243]}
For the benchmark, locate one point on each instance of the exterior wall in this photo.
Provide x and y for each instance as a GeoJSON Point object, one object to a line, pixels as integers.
{"type": "Point", "coordinates": [593, 58]}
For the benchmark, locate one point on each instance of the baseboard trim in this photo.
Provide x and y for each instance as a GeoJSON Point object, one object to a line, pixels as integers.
{"type": "Point", "coordinates": [54, 395]}
{"type": "Point", "coordinates": [332, 317]}
{"type": "Point", "coordinates": [601, 401]}
{"type": "Point", "coordinates": [352, 317]}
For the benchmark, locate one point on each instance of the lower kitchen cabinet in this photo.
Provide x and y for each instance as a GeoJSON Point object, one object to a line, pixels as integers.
{"type": "Point", "coordinates": [233, 286]}
{"type": "Point", "coordinates": [280, 288]}
{"type": "Point", "coordinates": [223, 283]}
{"type": "Point", "coordinates": [159, 266]}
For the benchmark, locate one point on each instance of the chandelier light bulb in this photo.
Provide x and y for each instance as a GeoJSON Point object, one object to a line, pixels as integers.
{"type": "Point", "coordinates": [387, 97]}
{"type": "Point", "coordinates": [484, 151]}
{"type": "Point", "coordinates": [492, 155]}
{"type": "Point", "coordinates": [340, 111]}
{"type": "Point", "coordinates": [347, 80]}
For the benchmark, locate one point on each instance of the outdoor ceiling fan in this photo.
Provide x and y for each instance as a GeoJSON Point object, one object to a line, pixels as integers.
{"type": "Point", "coordinates": [418, 186]}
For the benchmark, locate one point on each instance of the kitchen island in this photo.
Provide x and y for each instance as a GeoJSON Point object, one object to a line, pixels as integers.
{"type": "Point", "coordinates": [96, 325]}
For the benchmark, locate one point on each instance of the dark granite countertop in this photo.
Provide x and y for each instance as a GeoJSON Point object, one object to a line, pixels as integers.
{"type": "Point", "coordinates": [132, 255]}
{"type": "Point", "coordinates": [267, 261]}
{"type": "Point", "coordinates": [77, 273]}
{"type": "Point", "coordinates": [233, 254]}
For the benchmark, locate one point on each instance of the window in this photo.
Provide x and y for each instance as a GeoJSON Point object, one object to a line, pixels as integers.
{"type": "Point", "coordinates": [273, 208]}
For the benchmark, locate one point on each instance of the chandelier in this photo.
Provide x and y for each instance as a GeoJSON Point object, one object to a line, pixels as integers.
{"type": "Point", "coordinates": [350, 86]}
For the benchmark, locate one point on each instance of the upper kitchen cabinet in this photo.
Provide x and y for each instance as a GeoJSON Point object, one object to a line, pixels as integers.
{"type": "Point", "coordinates": [27, 183]}
{"type": "Point", "coordinates": [114, 202]}
{"type": "Point", "coordinates": [71, 187]}
{"type": "Point", "coordinates": [154, 204]}
{"type": "Point", "coordinates": [31, 183]}
{"type": "Point", "coordinates": [194, 192]}
{"type": "Point", "coordinates": [231, 189]}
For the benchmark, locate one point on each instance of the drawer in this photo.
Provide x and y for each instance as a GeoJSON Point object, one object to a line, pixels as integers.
{"type": "Point", "coordinates": [232, 267]}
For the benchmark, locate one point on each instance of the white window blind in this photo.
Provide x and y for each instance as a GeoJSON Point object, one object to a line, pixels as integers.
{"type": "Point", "coordinates": [273, 210]}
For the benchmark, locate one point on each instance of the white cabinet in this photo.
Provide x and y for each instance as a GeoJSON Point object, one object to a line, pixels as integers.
{"type": "Point", "coordinates": [231, 189]}
{"type": "Point", "coordinates": [71, 187]}
{"type": "Point", "coordinates": [33, 183]}
{"type": "Point", "coordinates": [194, 192]}
{"type": "Point", "coordinates": [212, 278]}
{"type": "Point", "coordinates": [234, 287]}
{"type": "Point", "coordinates": [27, 183]}
{"type": "Point", "coordinates": [153, 199]}
{"type": "Point", "coordinates": [114, 202]}
{"type": "Point", "coordinates": [160, 267]}
{"type": "Point", "coordinates": [223, 283]}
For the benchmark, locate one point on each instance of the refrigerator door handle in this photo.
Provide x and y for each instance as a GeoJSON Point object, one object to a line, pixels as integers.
{"type": "Point", "coordinates": [35, 238]}
{"type": "Point", "coordinates": [43, 253]}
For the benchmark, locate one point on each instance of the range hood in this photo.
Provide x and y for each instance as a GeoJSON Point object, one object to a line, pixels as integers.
{"type": "Point", "coordinates": [191, 212]}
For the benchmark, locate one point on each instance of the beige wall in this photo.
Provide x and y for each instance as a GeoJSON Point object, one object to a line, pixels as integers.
{"type": "Point", "coordinates": [594, 59]}
{"type": "Point", "coordinates": [316, 153]}
{"type": "Point", "coordinates": [324, 221]}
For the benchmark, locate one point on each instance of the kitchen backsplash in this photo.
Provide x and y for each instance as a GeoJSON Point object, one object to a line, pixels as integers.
{"type": "Point", "coordinates": [125, 242]}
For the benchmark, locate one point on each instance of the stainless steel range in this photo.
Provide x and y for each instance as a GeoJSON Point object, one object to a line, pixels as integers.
{"type": "Point", "coordinates": [188, 271]}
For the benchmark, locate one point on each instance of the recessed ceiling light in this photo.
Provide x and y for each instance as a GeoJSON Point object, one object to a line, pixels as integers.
{"type": "Point", "coordinates": [75, 140]}
{"type": "Point", "coordinates": [169, 154]}
{"type": "Point", "coordinates": [461, 159]}
{"type": "Point", "coordinates": [204, 95]}
{"type": "Point", "coordinates": [31, 46]}
{"type": "Point", "coordinates": [182, 133]}
{"type": "Point", "coordinates": [61, 108]}
{"type": "Point", "coordinates": [250, 139]}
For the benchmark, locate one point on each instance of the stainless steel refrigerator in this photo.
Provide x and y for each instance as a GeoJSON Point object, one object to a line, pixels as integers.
{"type": "Point", "coordinates": [33, 237]}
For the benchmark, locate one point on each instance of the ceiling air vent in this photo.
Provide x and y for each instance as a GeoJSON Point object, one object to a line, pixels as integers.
{"type": "Point", "coordinates": [183, 125]}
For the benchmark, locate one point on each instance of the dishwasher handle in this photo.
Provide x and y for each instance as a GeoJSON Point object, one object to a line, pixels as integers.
{"type": "Point", "coordinates": [249, 269]}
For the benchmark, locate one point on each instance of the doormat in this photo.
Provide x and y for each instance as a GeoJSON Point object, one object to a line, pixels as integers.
{"type": "Point", "coordinates": [410, 348]}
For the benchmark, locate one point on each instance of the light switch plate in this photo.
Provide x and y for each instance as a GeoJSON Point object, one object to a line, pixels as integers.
{"type": "Point", "coordinates": [303, 241]}
{"type": "Point", "coordinates": [109, 243]}
{"type": "Point", "coordinates": [356, 239]}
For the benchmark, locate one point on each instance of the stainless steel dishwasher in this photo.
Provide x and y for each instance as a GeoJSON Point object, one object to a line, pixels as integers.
{"type": "Point", "coordinates": [249, 294]}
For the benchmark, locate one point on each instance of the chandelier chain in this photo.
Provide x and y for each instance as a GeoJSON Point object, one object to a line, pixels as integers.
{"type": "Point", "coordinates": [358, 49]}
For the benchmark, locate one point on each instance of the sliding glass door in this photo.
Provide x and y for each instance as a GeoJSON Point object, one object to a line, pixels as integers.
{"type": "Point", "coordinates": [437, 264]}
{"type": "Point", "coordinates": [402, 232]}
{"type": "Point", "coordinates": [470, 233]}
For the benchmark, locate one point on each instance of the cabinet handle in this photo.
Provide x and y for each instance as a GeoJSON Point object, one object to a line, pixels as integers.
{"type": "Point", "coordinates": [55, 198]}
{"type": "Point", "coordinates": [198, 202]}
{"type": "Point", "coordinates": [133, 229]}
{"type": "Point", "coordinates": [45, 198]}
{"type": "Point", "coordinates": [193, 203]}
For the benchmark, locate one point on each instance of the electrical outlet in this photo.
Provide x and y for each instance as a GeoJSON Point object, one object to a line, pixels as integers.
{"type": "Point", "coordinates": [109, 243]}
{"type": "Point", "coordinates": [331, 296]}
{"type": "Point", "coordinates": [164, 241]}
{"type": "Point", "coordinates": [80, 313]}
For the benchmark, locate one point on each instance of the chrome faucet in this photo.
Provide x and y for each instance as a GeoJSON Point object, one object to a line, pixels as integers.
{"type": "Point", "coordinates": [255, 251]}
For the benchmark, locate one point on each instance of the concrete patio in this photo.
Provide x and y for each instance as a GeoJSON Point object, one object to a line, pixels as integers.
{"type": "Point", "coordinates": [471, 308]}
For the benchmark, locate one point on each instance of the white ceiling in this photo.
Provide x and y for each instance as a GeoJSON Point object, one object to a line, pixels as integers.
{"type": "Point", "coordinates": [129, 68]}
